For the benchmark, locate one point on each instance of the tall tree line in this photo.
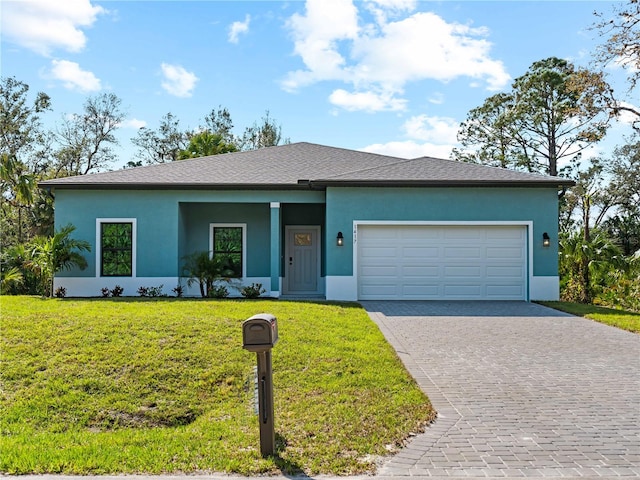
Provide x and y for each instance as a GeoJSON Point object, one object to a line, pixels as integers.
{"type": "Point", "coordinates": [79, 144]}
{"type": "Point", "coordinates": [83, 142]}
{"type": "Point", "coordinates": [169, 142]}
{"type": "Point", "coordinates": [545, 124]}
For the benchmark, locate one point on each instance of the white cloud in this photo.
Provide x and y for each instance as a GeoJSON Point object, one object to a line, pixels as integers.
{"type": "Point", "coordinates": [432, 129]}
{"type": "Point", "coordinates": [629, 61]}
{"type": "Point", "coordinates": [424, 46]}
{"type": "Point", "coordinates": [626, 117]}
{"type": "Point", "coordinates": [410, 149]}
{"type": "Point", "coordinates": [383, 9]}
{"type": "Point", "coordinates": [315, 38]}
{"type": "Point", "coordinates": [45, 25]}
{"type": "Point", "coordinates": [383, 56]}
{"type": "Point", "coordinates": [427, 136]}
{"type": "Point", "coordinates": [395, 4]}
{"type": "Point", "coordinates": [366, 101]}
{"type": "Point", "coordinates": [133, 123]}
{"type": "Point", "coordinates": [237, 28]}
{"type": "Point", "coordinates": [178, 81]}
{"type": "Point", "coordinates": [73, 77]}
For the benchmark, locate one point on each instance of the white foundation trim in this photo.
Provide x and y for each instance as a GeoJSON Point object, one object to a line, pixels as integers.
{"type": "Point", "coordinates": [92, 287]}
{"type": "Point", "coordinates": [342, 288]}
{"type": "Point", "coordinates": [545, 288]}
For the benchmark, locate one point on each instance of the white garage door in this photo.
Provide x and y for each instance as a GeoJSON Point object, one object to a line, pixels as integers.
{"type": "Point", "coordinates": [441, 262]}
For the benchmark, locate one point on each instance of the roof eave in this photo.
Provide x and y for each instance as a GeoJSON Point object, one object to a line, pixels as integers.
{"type": "Point", "coordinates": [170, 186]}
{"type": "Point", "coordinates": [306, 184]}
{"type": "Point", "coordinates": [556, 183]}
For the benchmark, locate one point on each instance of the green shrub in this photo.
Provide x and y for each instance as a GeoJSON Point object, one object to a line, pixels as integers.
{"type": "Point", "coordinates": [218, 291]}
{"type": "Point", "coordinates": [624, 293]}
{"type": "Point", "coordinates": [151, 291]}
{"type": "Point", "coordinates": [252, 291]}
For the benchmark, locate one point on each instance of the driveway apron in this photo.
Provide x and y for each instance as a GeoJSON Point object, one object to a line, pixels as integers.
{"type": "Point", "coordinates": [520, 390]}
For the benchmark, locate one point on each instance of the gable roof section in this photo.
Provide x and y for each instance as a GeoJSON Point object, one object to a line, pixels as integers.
{"type": "Point", "coordinates": [303, 165]}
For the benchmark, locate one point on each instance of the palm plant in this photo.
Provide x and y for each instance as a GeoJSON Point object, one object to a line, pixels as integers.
{"type": "Point", "coordinates": [206, 269]}
{"type": "Point", "coordinates": [584, 263]}
{"type": "Point", "coordinates": [206, 143]}
{"type": "Point", "coordinates": [16, 278]}
{"type": "Point", "coordinates": [11, 277]}
{"type": "Point", "coordinates": [49, 255]}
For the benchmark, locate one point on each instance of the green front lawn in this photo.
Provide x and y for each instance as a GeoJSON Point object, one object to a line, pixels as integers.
{"type": "Point", "coordinates": [616, 318]}
{"type": "Point", "coordinates": [132, 386]}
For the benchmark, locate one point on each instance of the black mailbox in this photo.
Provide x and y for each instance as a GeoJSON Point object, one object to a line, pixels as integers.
{"type": "Point", "coordinates": [260, 332]}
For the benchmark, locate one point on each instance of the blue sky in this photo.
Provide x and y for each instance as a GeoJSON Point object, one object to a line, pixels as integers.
{"type": "Point", "coordinates": [388, 76]}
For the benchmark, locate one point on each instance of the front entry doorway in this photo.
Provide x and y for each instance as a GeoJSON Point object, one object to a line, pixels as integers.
{"type": "Point", "coordinates": [302, 261]}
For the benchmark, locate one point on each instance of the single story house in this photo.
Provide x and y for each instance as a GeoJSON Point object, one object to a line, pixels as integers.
{"type": "Point", "coordinates": [308, 220]}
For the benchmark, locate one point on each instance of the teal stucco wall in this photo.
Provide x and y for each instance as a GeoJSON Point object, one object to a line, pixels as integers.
{"type": "Point", "coordinates": [174, 223]}
{"type": "Point", "coordinates": [157, 226]}
{"type": "Point", "coordinates": [538, 205]}
{"type": "Point", "coordinates": [256, 216]}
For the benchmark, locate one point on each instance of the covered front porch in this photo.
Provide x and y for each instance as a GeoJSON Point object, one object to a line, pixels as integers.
{"type": "Point", "coordinates": [280, 245]}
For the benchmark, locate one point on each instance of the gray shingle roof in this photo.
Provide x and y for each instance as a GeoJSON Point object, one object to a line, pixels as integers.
{"type": "Point", "coordinates": [298, 164]}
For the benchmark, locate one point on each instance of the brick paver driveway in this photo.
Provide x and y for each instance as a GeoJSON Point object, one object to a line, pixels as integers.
{"type": "Point", "coordinates": [521, 390]}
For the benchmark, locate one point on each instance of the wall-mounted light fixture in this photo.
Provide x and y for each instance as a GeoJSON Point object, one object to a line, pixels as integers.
{"type": "Point", "coordinates": [546, 241]}
{"type": "Point", "coordinates": [340, 239]}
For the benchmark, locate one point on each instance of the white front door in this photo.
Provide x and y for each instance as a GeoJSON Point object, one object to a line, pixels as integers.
{"type": "Point", "coordinates": [302, 260]}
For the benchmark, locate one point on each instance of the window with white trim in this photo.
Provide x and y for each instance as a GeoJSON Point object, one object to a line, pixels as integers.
{"type": "Point", "coordinates": [228, 246]}
{"type": "Point", "coordinates": [116, 252]}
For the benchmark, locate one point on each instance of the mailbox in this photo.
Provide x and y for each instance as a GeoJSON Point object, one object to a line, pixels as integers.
{"type": "Point", "coordinates": [260, 332]}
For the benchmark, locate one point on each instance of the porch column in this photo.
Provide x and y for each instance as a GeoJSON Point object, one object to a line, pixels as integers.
{"type": "Point", "coordinates": [275, 249]}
